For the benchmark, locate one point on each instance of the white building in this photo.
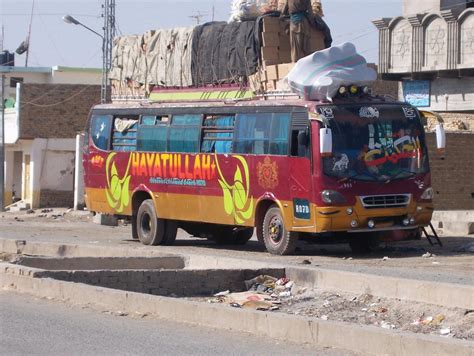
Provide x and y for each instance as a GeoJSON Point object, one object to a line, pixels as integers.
{"type": "Point", "coordinates": [45, 109]}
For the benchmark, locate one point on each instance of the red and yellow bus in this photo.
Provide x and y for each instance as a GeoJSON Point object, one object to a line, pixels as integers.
{"type": "Point", "coordinates": [292, 169]}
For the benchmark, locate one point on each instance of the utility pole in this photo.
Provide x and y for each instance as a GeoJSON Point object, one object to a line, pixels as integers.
{"type": "Point", "coordinates": [107, 46]}
{"type": "Point", "coordinates": [2, 149]}
{"type": "Point", "coordinates": [28, 40]}
{"type": "Point", "coordinates": [197, 17]}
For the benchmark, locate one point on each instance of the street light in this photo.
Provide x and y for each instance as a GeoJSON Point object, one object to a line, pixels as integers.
{"type": "Point", "coordinates": [72, 21]}
{"type": "Point", "coordinates": [105, 69]}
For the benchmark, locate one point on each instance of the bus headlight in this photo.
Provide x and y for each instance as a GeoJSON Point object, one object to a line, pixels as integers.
{"type": "Point", "coordinates": [332, 197]}
{"type": "Point", "coordinates": [428, 194]}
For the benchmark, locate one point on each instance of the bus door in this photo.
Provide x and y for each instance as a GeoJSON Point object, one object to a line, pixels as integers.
{"type": "Point", "coordinates": [300, 171]}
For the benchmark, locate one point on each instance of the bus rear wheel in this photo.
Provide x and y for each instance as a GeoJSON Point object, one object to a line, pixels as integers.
{"type": "Point", "coordinates": [278, 240]}
{"type": "Point", "coordinates": [150, 229]}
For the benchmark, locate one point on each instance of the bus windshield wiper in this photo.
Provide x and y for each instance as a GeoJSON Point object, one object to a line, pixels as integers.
{"type": "Point", "coordinates": [396, 176]}
{"type": "Point", "coordinates": [354, 176]}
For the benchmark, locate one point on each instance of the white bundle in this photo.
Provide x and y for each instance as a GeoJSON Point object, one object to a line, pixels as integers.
{"type": "Point", "coordinates": [320, 75]}
{"type": "Point", "coordinates": [243, 10]}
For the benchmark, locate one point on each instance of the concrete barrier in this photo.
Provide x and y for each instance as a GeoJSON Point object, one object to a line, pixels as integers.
{"type": "Point", "coordinates": [361, 339]}
{"type": "Point", "coordinates": [443, 294]}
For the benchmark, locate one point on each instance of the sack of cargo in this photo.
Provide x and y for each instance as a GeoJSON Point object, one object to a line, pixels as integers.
{"type": "Point", "coordinates": [243, 10]}
{"type": "Point", "coordinates": [320, 75]}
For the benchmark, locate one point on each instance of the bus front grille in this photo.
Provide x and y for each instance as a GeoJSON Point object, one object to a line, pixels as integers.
{"type": "Point", "coordinates": [385, 201]}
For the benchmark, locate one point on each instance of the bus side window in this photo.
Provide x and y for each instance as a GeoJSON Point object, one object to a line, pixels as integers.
{"type": "Point", "coordinates": [279, 134]}
{"type": "Point", "coordinates": [153, 133]}
{"type": "Point", "coordinates": [125, 134]}
{"type": "Point", "coordinates": [265, 133]}
{"type": "Point", "coordinates": [297, 149]}
{"type": "Point", "coordinates": [184, 135]}
{"type": "Point", "coordinates": [217, 134]}
{"type": "Point", "coordinates": [101, 129]}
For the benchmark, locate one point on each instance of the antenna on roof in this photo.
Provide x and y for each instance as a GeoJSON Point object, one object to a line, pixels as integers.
{"type": "Point", "coordinates": [197, 17]}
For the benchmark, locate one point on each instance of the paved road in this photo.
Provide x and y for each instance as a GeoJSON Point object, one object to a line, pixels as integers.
{"type": "Point", "coordinates": [405, 258]}
{"type": "Point", "coordinates": [31, 326]}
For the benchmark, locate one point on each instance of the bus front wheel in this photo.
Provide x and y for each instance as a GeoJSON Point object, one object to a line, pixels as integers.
{"type": "Point", "coordinates": [278, 240]}
{"type": "Point", "coordinates": [150, 229]}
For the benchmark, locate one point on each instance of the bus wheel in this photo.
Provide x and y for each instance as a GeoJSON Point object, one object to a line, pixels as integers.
{"type": "Point", "coordinates": [278, 240]}
{"type": "Point", "coordinates": [150, 229]}
{"type": "Point", "coordinates": [171, 230]}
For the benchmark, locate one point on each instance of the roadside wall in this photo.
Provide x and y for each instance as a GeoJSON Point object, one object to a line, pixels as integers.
{"type": "Point", "coordinates": [453, 175]}
{"type": "Point", "coordinates": [55, 110]}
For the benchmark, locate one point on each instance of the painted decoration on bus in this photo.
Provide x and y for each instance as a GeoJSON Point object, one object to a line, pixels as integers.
{"type": "Point", "coordinates": [117, 193]}
{"type": "Point", "coordinates": [98, 161]}
{"type": "Point", "coordinates": [237, 199]}
{"type": "Point", "coordinates": [174, 169]}
{"type": "Point", "coordinates": [267, 173]}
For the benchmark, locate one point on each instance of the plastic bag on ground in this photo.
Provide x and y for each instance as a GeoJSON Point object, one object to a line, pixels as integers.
{"type": "Point", "coordinates": [320, 75]}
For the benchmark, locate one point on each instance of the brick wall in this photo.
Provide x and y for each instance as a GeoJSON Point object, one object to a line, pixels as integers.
{"type": "Point", "coordinates": [56, 110]}
{"type": "Point", "coordinates": [56, 198]}
{"type": "Point", "coordinates": [453, 175]}
{"type": "Point", "coordinates": [182, 283]}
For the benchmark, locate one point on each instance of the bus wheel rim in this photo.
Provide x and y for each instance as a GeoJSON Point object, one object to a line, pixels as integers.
{"type": "Point", "coordinates": [275, 230]}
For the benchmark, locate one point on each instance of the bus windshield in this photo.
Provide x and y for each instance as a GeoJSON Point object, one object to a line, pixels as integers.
{"type": "Point", "coordinates": [375, 142]}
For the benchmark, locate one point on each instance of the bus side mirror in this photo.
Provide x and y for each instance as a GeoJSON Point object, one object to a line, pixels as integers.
{"type": "Point", "coordinates": [440, 138]}
{"type": "Point", "coordinates": [325, 140]}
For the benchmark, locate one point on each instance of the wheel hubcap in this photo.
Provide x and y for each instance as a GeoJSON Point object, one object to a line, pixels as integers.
{"type": "Point", "coordinates": [275, 230]}
{"type": "Point", "coordinates": [146, 224]}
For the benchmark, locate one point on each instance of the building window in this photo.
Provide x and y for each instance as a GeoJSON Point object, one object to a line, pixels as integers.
{"type": "Point", "coordinates": [14, 81]}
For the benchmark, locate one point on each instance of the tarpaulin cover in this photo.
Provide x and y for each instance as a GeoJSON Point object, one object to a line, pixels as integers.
{"type": "Point", "coordinates": [224, 53]}
{"type": "Point", "coordinates": [160, 58]}
{"type": "Point", "coordinates": [320, 75]}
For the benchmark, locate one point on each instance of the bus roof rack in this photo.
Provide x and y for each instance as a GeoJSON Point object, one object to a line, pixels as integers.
{"type": "Point", "coordinates": [279, 94]}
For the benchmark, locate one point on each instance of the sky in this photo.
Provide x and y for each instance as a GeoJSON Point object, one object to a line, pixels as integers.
{"type": "Point", "coordinates": [55, 43]}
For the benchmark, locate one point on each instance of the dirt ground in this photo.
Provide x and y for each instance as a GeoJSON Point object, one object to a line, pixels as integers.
{"type": "Point", "coordinates": [366, 309]}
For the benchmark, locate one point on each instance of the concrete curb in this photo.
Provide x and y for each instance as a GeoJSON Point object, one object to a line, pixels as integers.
{"type": "Point", "coordinates": [437, 293]}
{"type": "Point", "coordinates": [362, 339]}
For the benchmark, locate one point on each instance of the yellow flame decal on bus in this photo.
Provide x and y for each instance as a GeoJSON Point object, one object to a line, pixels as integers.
{"type": "Point", "coordinates": [237, 200]}
{"type": "Point", "coordinates": [117, 193]}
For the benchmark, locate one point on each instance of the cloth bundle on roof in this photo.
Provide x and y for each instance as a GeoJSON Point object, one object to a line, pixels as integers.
{"type": "Point", "coordinates": [214, 53]}
{"type": "Point", "coordinates": [224, 53]}
{"type": "Point", "coordinates": [160, 58]}
{"type": "Point", "coordinates": [243, 10]}
{"type": "Point", "coordinates": [320, 75]}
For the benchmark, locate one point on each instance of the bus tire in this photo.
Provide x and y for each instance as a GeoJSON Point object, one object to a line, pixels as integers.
{"type": "Point", "coordinates": [278, 240]}
{"type": "Point", "coordinates": [150, 229]}
{"type": "Point", "coordinates": [171, 231]}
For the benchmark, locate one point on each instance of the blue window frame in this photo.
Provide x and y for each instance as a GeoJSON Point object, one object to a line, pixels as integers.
{"type": "Point", "coordinates": [124, 138]}
{"type": "Point", "coordinates": [184, 134]}
{"type": "Point", "coordinates": [262, 133]}
{"type": "Point", "coordinates": [101, 128]}
{"type": "Point", "coordinates": [153, 133]}
{"type": "Point", "coordinates": [217, 134]}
